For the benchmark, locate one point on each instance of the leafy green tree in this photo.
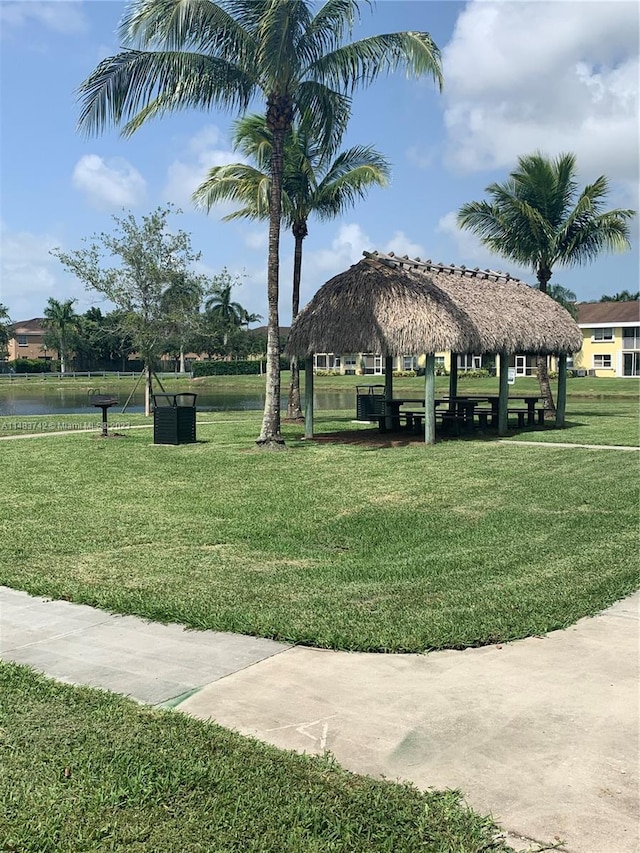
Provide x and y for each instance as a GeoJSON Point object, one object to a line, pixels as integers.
{"type": "Point", "coordinates": [537, 218]}
{"type": "Point", "coordinates": [182, 302]}
{"type": "Point", "coordinates": [623, 296]}
{"type": "Point", "coordinates": [5, 330]}
{"type": "Point", "coordinates": [62, 321]}
{"type": "Point", "coordinates": [154, 262]}
{"type": "Point", "coordinates": [313, 183]}
{"type": "Point", "coordinates": [183, 55]}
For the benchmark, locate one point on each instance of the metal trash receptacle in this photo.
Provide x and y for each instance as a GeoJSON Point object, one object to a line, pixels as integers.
{"type": "Point", "coordinates": [370, 401]}
{"type": "Point", "coordinates": [174, 418]}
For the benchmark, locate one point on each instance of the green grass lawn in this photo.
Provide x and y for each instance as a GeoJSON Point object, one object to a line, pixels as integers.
{"type": "Point", "coordinates": [346, 546]}
{"type": "Point", "coordinates": [83, 771]}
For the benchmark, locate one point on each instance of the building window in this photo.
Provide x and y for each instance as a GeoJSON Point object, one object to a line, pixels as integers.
{"type": "Point", "coordinates": [321, 361]}
{"type": "Point", "coordinates": [350, 364]}
{"type": "Point", "coordinates": [439, 361]}
{"type": "Point", "coordinates": [22, 341]}
{"type": "Point", "coordinates": [468, 361]}
{"type": "Point", "coordinates": [605, 334]}
{"type": "Point", "coordinates": [631, 338]}
{"type": "Point", "coordinates": [631, 364]}
{"type": "Point", "coordinates": [409, 362]}
{"type": "Point", "coordinates": [602, 361]}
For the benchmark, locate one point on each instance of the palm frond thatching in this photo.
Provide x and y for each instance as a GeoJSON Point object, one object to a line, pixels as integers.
{"type": "Point", "coordinates": [393, 305]}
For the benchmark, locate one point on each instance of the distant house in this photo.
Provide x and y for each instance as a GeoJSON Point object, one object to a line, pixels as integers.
{"type": "Point", "coordinates": [28, 341]}
{"type": "Point", "coordinates": [611, 338]}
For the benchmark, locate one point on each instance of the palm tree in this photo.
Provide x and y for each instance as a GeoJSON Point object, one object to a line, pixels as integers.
{"type": "Point", "coordinates": [5, 330]}
{"type": "Point", "coordinates": [565, 297]}
{"type": "Point", "coordinates": [537, 218]}
{"type": "Point", "coordinates": [181, 54]}
{"type": "Point", "coordinates": [623, 296]}
{"type": "Point", "coordinates": [311, 183]}
{"type": "Point", "coordinates": [61, 319]}
{"type": "Point", "coordinates": [221, 307]}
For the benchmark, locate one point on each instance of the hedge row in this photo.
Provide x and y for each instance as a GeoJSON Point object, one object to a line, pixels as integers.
{"type": "Point", "coordinates": [232, 368]}
{"type": "Point", "coordinates": [34, 365]}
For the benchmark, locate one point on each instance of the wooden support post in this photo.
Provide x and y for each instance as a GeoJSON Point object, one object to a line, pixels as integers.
{"type": "Point", "coordinates": [388, 387]}
{"type": "Point", "coordinates": [503, 399]}
{"type": "Point", "coordinates": [308, 397]}
{"type": "Point", "coordinates": [453, 380]}
{"type": "Point", "coordinates": [561, 402]}
{"type": "Point", "coordinates": [429, 400]}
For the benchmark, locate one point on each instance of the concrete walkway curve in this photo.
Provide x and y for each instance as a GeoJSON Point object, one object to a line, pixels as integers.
{"type": "Point", "coordinates": [543, 732]}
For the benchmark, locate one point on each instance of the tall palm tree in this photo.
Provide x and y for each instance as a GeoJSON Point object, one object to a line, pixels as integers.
{"type": "Point", "coordinates": [312, 183]}
{"type": "Point", "coordinates": [61, 320]}
{"type": "Point", "coordinates": [229, 314]}
{"type": "Point", "coordinates": [538, 219]}
{"type": "Point", "coordinates": [185, 54]}
{"type": "Point", "coordinates": [5, 330]}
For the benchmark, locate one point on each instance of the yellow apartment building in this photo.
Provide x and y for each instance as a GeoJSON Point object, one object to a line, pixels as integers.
{"type": "Point", "coordinates": [611, 338]}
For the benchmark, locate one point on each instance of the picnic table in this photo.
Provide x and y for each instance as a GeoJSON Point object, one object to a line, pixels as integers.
{"type": "Point", "coordinates": [463, 408]}
{"type": "Point", "coordinates": [461, 412]}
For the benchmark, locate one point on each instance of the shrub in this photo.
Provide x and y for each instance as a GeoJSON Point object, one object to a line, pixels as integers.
{"type": "Point", "coordinates": [403, 373]}
{"type": "Point", "coordinates": [231, 368]}
{"type": "Point", "coordinates": [473, 374]}
{"type": "Point", "coordinates": [33, 365]}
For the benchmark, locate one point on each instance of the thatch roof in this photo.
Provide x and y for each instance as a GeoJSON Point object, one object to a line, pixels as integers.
{"type": "Point", "coordinates": [393, 305]}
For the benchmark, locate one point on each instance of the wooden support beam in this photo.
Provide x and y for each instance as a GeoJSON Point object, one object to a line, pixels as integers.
{"type": "Point", "coordinates": [453, 380]}
{"type": "Point", "coordinates": [388, 386]}
{"type": "Point", "coordinates": [430, 400]}
{"type": "Point", "coordinates": [308, 397]}
{"type": "Point", "coordinates": [561, 402]}
{"type": "Point", "coordinates": [503, 399]}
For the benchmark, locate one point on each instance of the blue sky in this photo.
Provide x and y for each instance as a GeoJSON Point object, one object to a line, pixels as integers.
{"type": "Point", "coordinates": [519, 76]}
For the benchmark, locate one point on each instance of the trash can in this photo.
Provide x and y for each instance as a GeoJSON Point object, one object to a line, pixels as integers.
{"type": "Point", "coordinates": [370, 401]}
{"type": "Point", "coordinates": [174, 418]}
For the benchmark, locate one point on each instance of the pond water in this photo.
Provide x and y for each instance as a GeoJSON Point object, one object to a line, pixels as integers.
{"type": "Point", "coordinates": [67, 401]}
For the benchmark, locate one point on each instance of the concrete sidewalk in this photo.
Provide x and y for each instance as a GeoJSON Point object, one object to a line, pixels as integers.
{"type": "Point", "coordinates": [542, 732]}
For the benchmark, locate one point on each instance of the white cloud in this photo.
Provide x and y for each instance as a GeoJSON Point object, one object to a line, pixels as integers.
{"type": "Point", "coordinates": [204, 150]}
{"type": "Point", "coordinates": [109, 184]}
{"type": "Point", "coordinates": [400, 244]}
{"type": "Point", "coordinates": [30, 274]}
{"type": "Point", "coordinates": [559, 76]}
{"type": "Point", "coordinates": [56, 15]}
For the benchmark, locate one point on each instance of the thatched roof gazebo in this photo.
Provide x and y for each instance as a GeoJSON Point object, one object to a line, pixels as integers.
{"type": "Point", "coordinates": [394, 305]}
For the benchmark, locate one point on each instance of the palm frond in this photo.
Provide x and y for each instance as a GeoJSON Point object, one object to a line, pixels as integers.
{"type": "Point", "coordinates": [333, 21]}
{"type": "Point", "coordinates": [324, 111]}
{"type": "Point", "coordinates": [137, 85]}
{"type": "Point", "coordinates": [362, 62]}
{"type": "Point", "coordinates": [235, 182]}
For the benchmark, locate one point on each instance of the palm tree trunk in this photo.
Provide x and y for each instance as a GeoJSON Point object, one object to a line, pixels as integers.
{"type": "Point", "coordinates": [61, 354]}
{"type": "Point", "coordinates": [183, 368]}
{"type": "Point", "coordinates": [543, 274]}
{"type": "Point", "coordinates": [278, 120]}
{"type": "Point", "coordinates": [294, 407]}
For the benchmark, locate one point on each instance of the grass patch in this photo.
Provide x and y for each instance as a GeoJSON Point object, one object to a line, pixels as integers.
{"type": "Point", "coordinates": [344, 546]}
{"type": "Point", "coordinates": [83, 771]}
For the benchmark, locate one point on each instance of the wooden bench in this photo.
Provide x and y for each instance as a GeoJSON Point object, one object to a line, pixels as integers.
{"type": "Point", "coordinates": [483, 416]}
{"type": "Point", "coordinates": [523, 415]}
